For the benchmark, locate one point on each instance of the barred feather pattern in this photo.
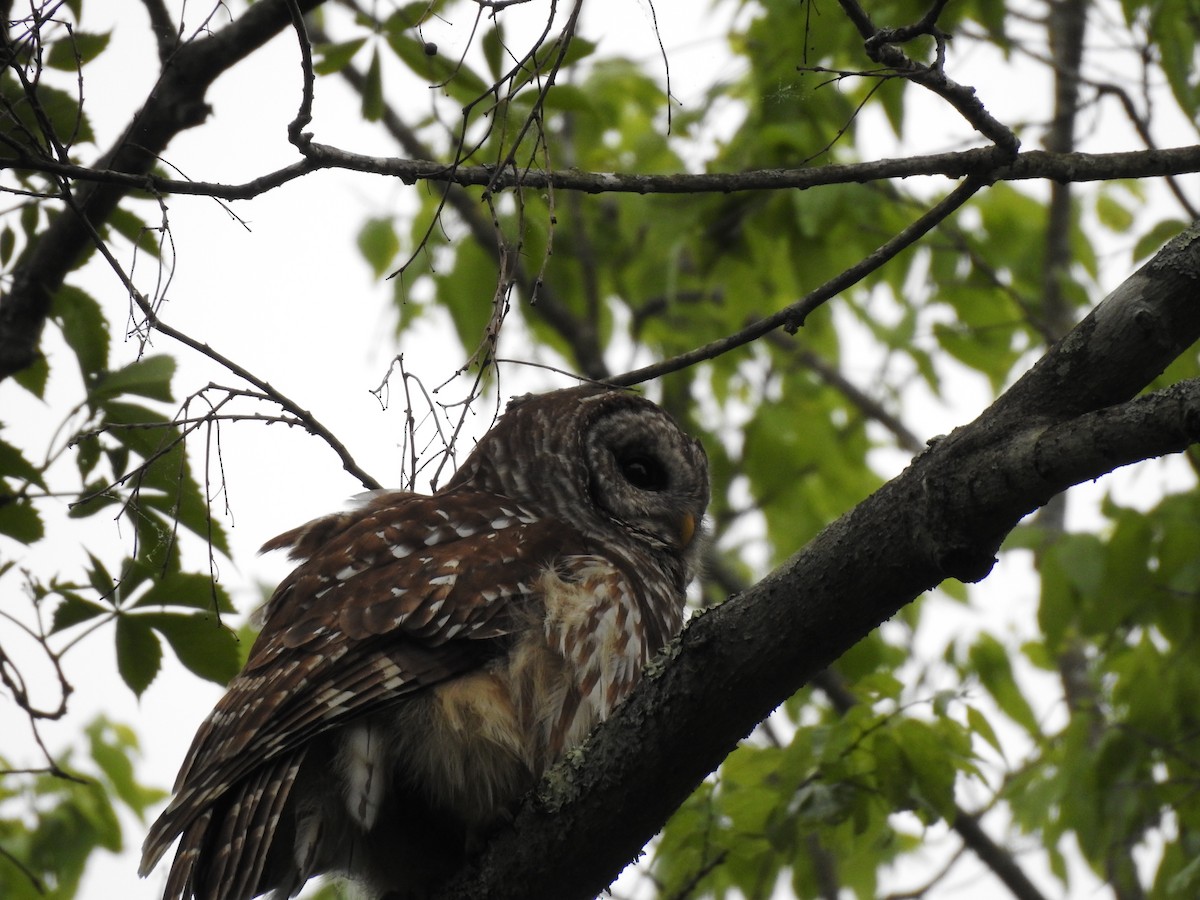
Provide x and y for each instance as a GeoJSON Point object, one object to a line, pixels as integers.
{"type": "Point", "coordinates": [431, 656]}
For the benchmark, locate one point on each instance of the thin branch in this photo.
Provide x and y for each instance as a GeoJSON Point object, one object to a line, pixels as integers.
{"type": "Point", "coordinates": [309, 421]}
{"type": "Point", "coordinates": [792, 317]}
{"type": "Point", "coordinates": [1143, 131]}
{"type": "Point", "coordinates": [1029, 165]}
{"type": "Point", "coordinates": [296, 127]}
{"type": "Point", "coordinates": [867, 405]}
{"type": "Point", "coordinates": [564, 44]}
{"type": "Point", "coordinates": [880, 46]}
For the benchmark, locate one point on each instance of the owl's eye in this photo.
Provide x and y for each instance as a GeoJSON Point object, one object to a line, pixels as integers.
{"type": "Point", "coordinates": [643, 472]}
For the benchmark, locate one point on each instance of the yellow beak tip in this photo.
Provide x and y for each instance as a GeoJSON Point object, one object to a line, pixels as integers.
{"type": "Point", "coordinates": [687, 529]}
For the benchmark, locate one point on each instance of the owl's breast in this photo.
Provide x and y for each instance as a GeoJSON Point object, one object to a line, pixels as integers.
{"type": "Point", "coordinates": [475, 743]}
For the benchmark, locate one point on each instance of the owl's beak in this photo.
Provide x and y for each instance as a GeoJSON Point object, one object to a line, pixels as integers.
{"type": "Point", "coordinates": [687, 529]}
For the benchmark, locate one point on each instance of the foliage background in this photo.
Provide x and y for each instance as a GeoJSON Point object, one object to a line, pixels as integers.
{"type": "Point", "coordinates": [1086, 786]}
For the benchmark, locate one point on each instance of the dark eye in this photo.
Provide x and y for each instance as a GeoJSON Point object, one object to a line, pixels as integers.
{"type": "Point", "coordinates": [643, 472]}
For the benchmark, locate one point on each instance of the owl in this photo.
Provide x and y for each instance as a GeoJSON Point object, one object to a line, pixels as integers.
{"type": "Point", "coordinates": [431, 656]}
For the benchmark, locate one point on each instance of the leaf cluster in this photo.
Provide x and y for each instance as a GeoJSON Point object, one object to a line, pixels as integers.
{"type": "Point", "coordinates": [51, 823]}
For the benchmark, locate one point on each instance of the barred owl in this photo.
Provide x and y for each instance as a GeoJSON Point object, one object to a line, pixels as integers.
{"type": "Point", "coordinates": [431, 656]}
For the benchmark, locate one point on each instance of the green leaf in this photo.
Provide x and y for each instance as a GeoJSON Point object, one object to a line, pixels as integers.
{"type": "Point", "coordinates": [135, 230]}
{"type": "Point", "coordinates": [1151, 242]}
{"type": "Point", "coordinates": [456, 78]}
{"type": "Point", "coordinates": [19, 520]}
{"type": "Point", "coordinates": [1185, 882]}
{"type": "Point", "coordinates": [174, 492]}
{"type": "Point", "coordinates": [73, 610]}
{"type": "Point", "coordinates": [135, 573]}
{"type": "Point", "coordinates": [569, 98]}
{"type": "Point", "coordinates": [139, 653]}
{"type": "Point", "coordinates": [579, 49]}
{"type": "Point", "coordinates": [165, 483]}
{"type": "Point", "coordinates": [101, 581]}
{"type": "Point", "coordinates": [379, 244]}
{"type": "Point", "coordinates": [189, 589]}
{"type": "Point", "coordinates": [8, 242]}
{"type": "Point", "coordinates": [955, 590]}
{"type": "Point", "coordinates": [203, 644]}
{"type": "Point", "coordinates": [68, 124]}
{"type": "Point", "coordinates": [990, 661]}
{"type": "Point", "coordinates": [34, 377]}
{"type": "Point", "coordinates": [925, 751]}
{"type": "Point", "coordinates": [94, 497]}
{"type": "Point", "coordinates": [14, 465]}
{"type": "Point", "coordinates": [372, 89]}
{"type": "Point", "coordinates": [144, 441]}
{"type": "Point", "coordinates": [84, 328]}
{"type": "Point", "coordinates": [1174, 31]}
{"type": "Point", "coordinates": [78, 48]}
{"type": "Point", "coordinates": [466, 290]}
{"type": "Point", "coordinates": [1113, 214]}
{"type": "Point", "coordinates": [979, 724]}
{"type": "Point", "coordinates": [87, 453]}
{"type": "Point", "coordinates": [332, 58]}
{"type": "Point", "coordinates": [494, 51]}
{"type": "Point", "coordinates": [147, 377]}
{"type": "Point", "coordinates": [410, 15]}
{"type": "Point", "coordinates": [31, 215]}
{"type": "Point", "coordinates": [112, 747]}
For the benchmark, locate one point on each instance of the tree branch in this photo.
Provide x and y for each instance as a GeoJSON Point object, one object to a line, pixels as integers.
{"type": "Point", "coordinates": [1066, 27]}
{"type": "Point", "coordinates": [880, 46]}
{"type": "Point", "coordinates": [1030, 165]}
{"type": "Point", "coordinates": [945, 516]}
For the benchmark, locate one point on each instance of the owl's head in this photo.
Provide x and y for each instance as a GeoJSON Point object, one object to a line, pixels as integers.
{"type": "Point", "coordinates": [599, 458]}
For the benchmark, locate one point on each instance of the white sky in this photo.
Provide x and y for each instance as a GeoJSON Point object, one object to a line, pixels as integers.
{"type": "Point", "coordinates": [291, 299]}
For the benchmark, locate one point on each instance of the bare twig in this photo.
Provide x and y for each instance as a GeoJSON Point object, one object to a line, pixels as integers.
{"type": "Point", "coordinates": [1140, 125]}
{"type": "Point", "coordinates": [296, 127]}
{"type": "Point", "coordinates": [880, 46]}
{"type": "Point", "coordinates": [564, 44]}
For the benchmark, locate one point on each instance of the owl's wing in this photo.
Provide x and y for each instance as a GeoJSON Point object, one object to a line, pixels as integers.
{"type": "Point", "coordinates": [392, 597]}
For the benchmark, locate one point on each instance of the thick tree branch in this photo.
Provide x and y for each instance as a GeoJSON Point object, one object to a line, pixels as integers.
{"type": "Point", "coordinates": [945, 516]}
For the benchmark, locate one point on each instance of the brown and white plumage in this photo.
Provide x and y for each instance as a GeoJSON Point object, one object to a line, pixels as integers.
{"type": "Point", "coordinates": [431, 656]}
